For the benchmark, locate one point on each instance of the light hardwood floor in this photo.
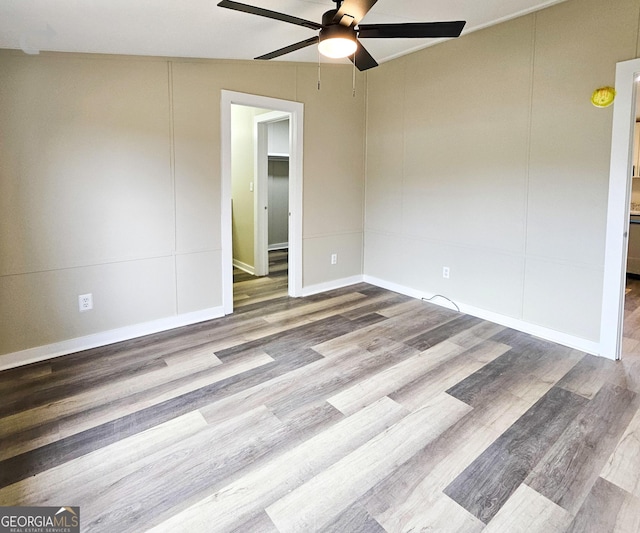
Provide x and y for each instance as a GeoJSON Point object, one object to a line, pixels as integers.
{"type": "Point", "coordinates": [356, 410]}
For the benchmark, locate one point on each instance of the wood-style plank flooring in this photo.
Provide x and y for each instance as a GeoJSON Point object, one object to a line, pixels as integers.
{"type": "Point", "coordinates": [356, 410]}
{"type": "Point", "coordinates": [249, 289]}
{"type": "Point", "coordinates": [631, 330]}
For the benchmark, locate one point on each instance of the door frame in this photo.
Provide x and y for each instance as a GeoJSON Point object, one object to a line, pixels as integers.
{"type": "Point", "coordinates": [611, 323]}
{"type": "Point", "coordinates": [296, 111]}
{"type": "Point", "coordinates": [261, 203]}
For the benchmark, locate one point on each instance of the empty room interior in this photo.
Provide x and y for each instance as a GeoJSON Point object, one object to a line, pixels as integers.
{"type": "Point", "coordinates": [390, 292]}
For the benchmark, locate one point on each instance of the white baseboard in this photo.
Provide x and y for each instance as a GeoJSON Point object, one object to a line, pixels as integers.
{"type": "Point", "coordinates": [42, 353]}
{"type": "Point", "coordinates": [330, 285]}
{"type": "Point", "coordinates": [243, 266]}
{"type": "Point", "coordinates": [278, 246]}
{"type": "Point", "coordinates": [548, 334]}
{"type": "Point", "coordinates": [49, 351]}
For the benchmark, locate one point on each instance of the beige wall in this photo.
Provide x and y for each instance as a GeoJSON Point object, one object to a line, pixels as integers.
{"type": "Point", "coordinates": [110, 185]}
{"type": "Point", "coordinates": [333, 161]}
{"type": "Point", "coordinates": [242, 175]}
{"type": "Point", "coordinates": [494, 163]}
{"type": "Point", "coordinates": [483, 154]}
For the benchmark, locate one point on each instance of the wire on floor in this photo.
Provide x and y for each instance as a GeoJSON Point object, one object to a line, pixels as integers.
{"type": "Point", "coordinates": [440, 296]}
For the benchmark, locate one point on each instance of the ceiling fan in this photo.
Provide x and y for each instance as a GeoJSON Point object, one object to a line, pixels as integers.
{"type": "Point", "coordinates": [340, 30]}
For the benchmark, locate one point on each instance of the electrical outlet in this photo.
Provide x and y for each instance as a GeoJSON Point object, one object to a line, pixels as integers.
{"type": "Point", "coordinates": [334, 259]}
{"type": "Point", "coordinates": [85, 302]}
{"type": "Point", "coordinates": [445, 272]}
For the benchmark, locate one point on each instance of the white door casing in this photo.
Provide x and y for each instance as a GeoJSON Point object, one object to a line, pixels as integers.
{"type": "Point", "coordinates": [295, 111]}
{"type": "Point", "coordinates": [618, 209]}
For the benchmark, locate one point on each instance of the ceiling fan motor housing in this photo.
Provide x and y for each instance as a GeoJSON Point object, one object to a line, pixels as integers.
{"type": "Point", "coordinates": [333, 31]}
{"type": "Point", "coordinates": [328, 16]}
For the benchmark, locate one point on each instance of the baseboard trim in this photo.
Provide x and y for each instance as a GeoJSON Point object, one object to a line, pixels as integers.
{"type": "Point", "coordinates": [243, 266]}
{"type": "Point", "coordinates": [278, 246]}
{"type": "Point", "coordinates": [578, 343]}
{"type": "Point", "coordinates": [330, 285]}
{"type": "Point", "coordinates": [49, 351]}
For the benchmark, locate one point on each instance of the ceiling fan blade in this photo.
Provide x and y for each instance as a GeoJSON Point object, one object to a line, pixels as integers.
{"type": "Point", "coordinates": [353, 11]}
{"type": "Point", "coordinates": [411, 30]}
{"type": "Point", "coordinates": [290, 48]}
{"type": "Point", "coordinates": [229, 4]}
{"type": "Point", "coordinates": [362, 59]}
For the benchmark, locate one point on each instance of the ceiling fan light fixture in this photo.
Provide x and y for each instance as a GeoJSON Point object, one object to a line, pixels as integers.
{"type": "Point", "coordinates": [337, 42]}
{"type": "Point", "coordinates": [337, 47]}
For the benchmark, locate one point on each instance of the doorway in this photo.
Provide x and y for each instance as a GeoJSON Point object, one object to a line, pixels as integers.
{"type": "Point", "coordinates": [260, 203]}
{"type": "Point", "coordinates": [631, 314]}
{"type": "Point", "coordinates": [618, 210]}
{"type": "Point", "coordinates": [278, 110]}
{"type": "Point", "coordinates": [272, 132]}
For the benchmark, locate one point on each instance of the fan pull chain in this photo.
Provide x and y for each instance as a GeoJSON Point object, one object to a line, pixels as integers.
{"type": "Point", "coordinates": [353, 81]}
{"type": "Point", "coordinates": [318, 68]}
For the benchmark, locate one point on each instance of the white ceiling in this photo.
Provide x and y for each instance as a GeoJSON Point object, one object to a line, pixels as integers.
{"type": "Point", "coordinates": [198, 28]}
